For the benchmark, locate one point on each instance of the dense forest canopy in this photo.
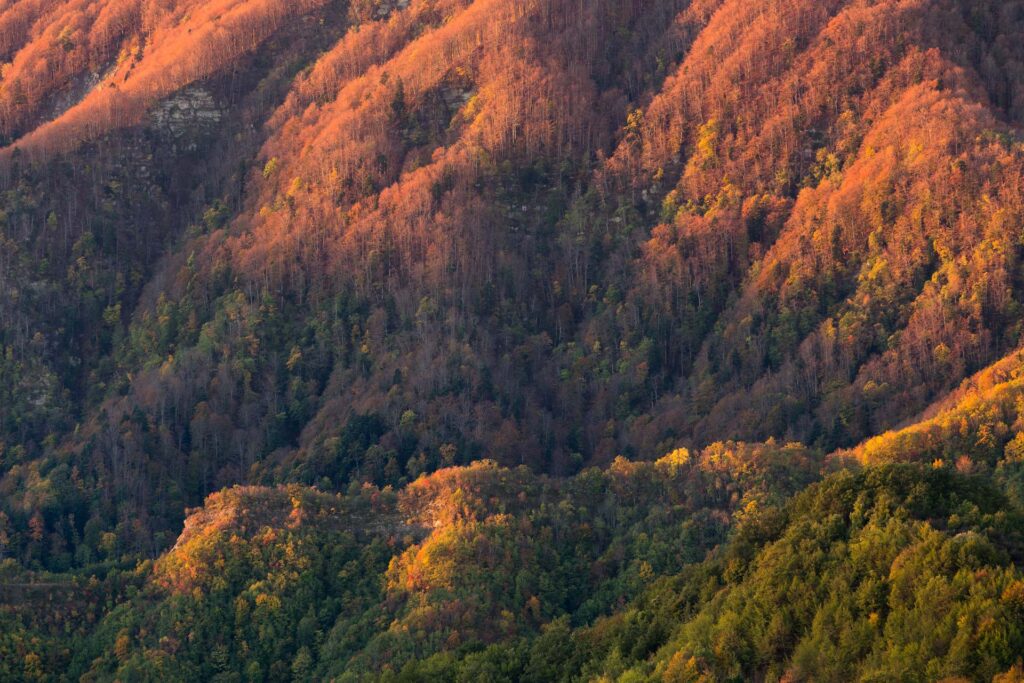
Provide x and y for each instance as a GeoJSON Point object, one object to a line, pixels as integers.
{"type": "Point", "coordinates": [511, 340]}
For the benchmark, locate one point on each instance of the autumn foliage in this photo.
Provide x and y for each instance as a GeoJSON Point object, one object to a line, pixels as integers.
{"type": "Point", "coordinates": [438, 283]}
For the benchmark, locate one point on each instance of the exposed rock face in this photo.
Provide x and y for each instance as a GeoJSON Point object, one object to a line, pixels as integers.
{"type": "Point", "coordinates": [187, 115]}
{"type": "Point", "coordinates": [78, 89]}
{"type": "Point", "coordinates": [456, 97]}
{"type": "Point", "coordinates": [384, 9]}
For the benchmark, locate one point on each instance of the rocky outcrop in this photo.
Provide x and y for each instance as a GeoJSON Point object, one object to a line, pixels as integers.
{"type": "Point", "coordinates": [187, 116]}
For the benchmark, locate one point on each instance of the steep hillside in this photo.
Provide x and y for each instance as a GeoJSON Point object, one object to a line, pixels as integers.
{"type": "Point", "coordinates": [312, 262]}
{"type": "Point", "coordinates": [77, 70]}
{"type": "Point", "coordinates": [265, 583]}
{"type": "Point", "coordinates": [694, 567]}
{"type": "Point", "coordinates": [541, 232]}
{"type": "Point", "coordinates": [892, 574]}
{"type": "Point", "coordinates": [549, 233]}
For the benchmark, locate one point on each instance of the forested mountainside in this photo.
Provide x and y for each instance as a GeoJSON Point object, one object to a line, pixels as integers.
{"type": "Point", "coordinates": [346, 339]}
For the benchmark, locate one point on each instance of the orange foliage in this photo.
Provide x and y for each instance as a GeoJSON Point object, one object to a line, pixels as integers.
{"type": "Point", "coordinates": [127, 55]}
